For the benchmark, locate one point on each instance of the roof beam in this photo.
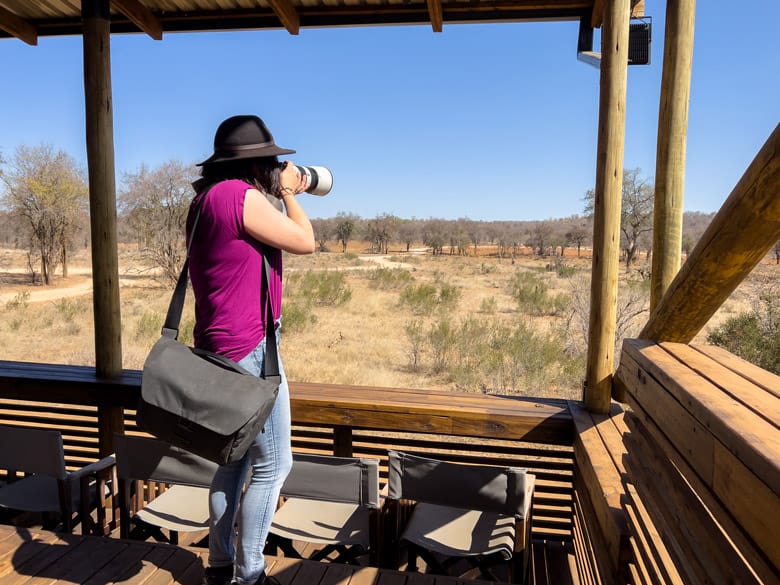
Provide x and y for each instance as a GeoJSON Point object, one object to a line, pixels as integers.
{"type": "Point", "coordinates": [437, 20]}
{"type": "Point", "coordinates": [637, 10]}
{"type": "Point", "coordinates": [286, 13]}
{"type": "Point", "coordinates": [18, 27]}
{"type": "Point", "coordinates": [141, 16]}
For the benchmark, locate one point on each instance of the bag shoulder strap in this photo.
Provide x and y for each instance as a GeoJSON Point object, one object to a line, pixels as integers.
{"type": "Point", "coordinates": [176, 306]}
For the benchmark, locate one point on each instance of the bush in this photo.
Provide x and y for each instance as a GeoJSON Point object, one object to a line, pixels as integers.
{"type": "Point", "coordinates": [424, 299]}
{"type": "Point", "coordinates": [488, 305]}
{"type": "Point", "coordinates": [328, 288]}
{"type": "Point", "coordinates": [149, 326]}
{"type": "Point", "coordinates": [421, 299]}
{"type": "Point", "coordinates": [530, 293]}
{"type": "Point", "coordinates": [746, 337]}
{"type": "Point", "coordinates": [389, 278]}
{"type": "Point", "coordinates": [20, 301]}
{"type": "Point", "coordinates": [296, 316]}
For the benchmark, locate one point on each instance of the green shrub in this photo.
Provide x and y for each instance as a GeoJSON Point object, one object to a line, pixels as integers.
{"type": "Point", "coordinates": [389, 278]}
{"type": "Point", "coordinates": [531, 295]}
{"type": "Point", "coordinates": [327, 288]}
{"type": "Point", "coordinates": [296, 316]}
{"type": "Point", "coordinates": [70, 310]}
{"type": "Point", "coordinates": [449, 296]}
{"type": "Point", "coordinates": [746, 337]}
{"type": "Point", "coordinates": [149, 326]}
{"type": "Point", "coordinates": [416, 337]}
{"type": "Point", "coordinates": [420, 299]}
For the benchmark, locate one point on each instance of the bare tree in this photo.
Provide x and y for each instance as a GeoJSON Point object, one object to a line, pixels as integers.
{"type": "Point", "coordinates": [323, 230]}
{"type": "Point", "coordinates": [540, 236]}
{"type": "Point", "coordinates": [156, 202]}
{"type": "Point", "coordinates": [47, 189]}
{"type": "Point", "coordinates": [346, 226]}
{"type": "Point", "coordinates": [408, 232]}
{"type": "Point", "coordinates": [636, 216]}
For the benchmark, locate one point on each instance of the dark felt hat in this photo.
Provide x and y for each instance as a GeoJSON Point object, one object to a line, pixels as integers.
{"type": "Point", "coordinates": [243, 137]}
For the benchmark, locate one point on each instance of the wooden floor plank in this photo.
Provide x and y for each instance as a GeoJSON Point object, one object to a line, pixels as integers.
{"type": "Point", "coordinates": [17, 547]}
{"type": "Point", "coordinates": [128, 559]}
{"type": "Point", "coordinates": [364, 576]}
{"type": "Point", "coordinates": [155, 558]}
{"type": "Point", "coordinates": [44, 556]}
{"type": "Point", "coordinates": [173, 568]}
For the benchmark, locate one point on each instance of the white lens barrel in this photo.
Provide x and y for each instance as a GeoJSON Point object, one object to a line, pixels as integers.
{"type": "Point", "coordinates": [319, 180]}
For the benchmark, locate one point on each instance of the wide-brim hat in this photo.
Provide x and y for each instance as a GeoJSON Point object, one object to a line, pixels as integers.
{"type": "Point", "coordinates": [241, 137]}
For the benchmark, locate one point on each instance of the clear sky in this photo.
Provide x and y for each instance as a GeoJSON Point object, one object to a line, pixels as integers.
{"type": "Point", "coordinates": [493, 121]}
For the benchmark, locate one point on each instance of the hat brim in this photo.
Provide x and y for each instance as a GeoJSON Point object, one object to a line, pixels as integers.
{"type": "Point", "coordinates": [244, 154]}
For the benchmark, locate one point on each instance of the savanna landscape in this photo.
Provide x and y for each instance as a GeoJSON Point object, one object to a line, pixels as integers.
{"type": "Point", "coordinates": [475, 322]}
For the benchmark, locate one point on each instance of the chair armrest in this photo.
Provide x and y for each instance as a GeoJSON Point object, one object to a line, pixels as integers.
{"type": "Point", "coordinates": [91, 469]}
{"type": "Point", "coordinates": [103, 482]}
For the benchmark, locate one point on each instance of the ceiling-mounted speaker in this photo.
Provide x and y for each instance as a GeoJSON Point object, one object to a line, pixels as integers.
{"type": "Point", "coordinates": [639, 39]}
{"type": "Point", "coordinates": [639, 42]}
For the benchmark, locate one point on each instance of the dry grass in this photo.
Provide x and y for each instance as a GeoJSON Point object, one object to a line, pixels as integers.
{"type": "Point", "coordinates": [360, 342]}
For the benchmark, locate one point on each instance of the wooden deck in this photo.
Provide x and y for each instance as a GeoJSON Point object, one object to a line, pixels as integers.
{"type": "Point", "coordinates": [36, 557]}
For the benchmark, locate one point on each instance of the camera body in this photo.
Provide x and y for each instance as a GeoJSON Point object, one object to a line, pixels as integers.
{"type": "Point", "coordinates": [319, 180]}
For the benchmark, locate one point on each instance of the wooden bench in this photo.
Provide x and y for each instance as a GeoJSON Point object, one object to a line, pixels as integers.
{"type": "Point", "coordinates": [704, 461]}
{"type": "Point", "coordinates": [601, 532]}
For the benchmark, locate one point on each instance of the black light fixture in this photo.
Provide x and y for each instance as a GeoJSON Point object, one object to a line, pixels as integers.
{"type": "Point", "coordinates": [639, 42]}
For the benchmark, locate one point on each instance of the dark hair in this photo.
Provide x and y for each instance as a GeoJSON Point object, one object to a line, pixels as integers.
{"type": "Point", "coordinates": [263, 172]}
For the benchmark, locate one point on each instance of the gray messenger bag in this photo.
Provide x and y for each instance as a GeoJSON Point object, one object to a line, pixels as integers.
{"type": "Point", "coordinates": [200, 401]}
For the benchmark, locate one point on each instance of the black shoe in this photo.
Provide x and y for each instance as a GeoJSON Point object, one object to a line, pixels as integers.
{"type": "Point", "coordinates": [267, 580]}
{"type": "Point", "coordinates": [218, 575]}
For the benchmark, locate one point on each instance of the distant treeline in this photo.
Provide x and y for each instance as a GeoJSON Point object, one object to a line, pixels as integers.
{"type": "Point", "coordinates": [462, 236]}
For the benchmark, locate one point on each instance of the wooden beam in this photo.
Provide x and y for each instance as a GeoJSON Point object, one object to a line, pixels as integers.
{"type": "Point", "coordinates": [741, 234]}
{"type": "Point", "coordinates": [435, 12]}
{"type": "Point", "coordinates": [287, 14]}
{"type": "Point", "coordinates": [597, 16]}
{"type": "Point", "coordinates": [606, 222]}
{"type": "Point", "coordinates": [141, 16]}
{"type": "Point", "coordinates": [18, 27]}
{"type": "Point", "coordinates": [670, 150]}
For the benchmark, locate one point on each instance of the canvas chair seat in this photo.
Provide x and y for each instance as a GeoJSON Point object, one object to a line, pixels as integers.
{"type": "Point", "coordinates": [322, 522]}
{"type": "Point", "coordinates": [332, 501]}
{"type": "Point", "coordinates": [37, 493]}
{"type": "Point", "coordinates": [457, 532]}
{"type": "Point", "coordinates": [180, 508]}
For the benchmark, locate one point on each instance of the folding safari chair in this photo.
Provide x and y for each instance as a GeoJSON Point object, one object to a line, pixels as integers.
{"type": "Point", "coordinates": [183, 504]}
{"type": "Point", "coordinates": [479, 515]}
{"type": "Point", "coordinates": [45, 485]}
{"type": "Point", "coordinates": [331, 501]}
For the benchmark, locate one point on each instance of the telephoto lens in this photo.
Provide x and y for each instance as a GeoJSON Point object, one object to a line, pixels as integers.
{"type": "Point", "coordinates": [319, 180]}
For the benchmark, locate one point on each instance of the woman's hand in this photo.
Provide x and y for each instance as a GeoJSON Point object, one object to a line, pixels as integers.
{"type": "Point", "coordinates": [291, 180]}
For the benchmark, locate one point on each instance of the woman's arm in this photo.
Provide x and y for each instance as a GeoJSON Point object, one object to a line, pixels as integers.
{"type": "Point", "coordinates": [292, 232]}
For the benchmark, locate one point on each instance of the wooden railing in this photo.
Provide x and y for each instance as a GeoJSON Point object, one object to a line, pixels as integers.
{"type": "Point", "coordinates": [338, 419]}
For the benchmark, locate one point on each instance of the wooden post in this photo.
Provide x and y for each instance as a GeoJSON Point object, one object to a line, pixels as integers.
{"type": "Point", "coordinates": [102, 204]}
{"type": "Point", "coordinates": [606, 221]}
{"type": "Point", "coordinates": [740, 235]}
{"type": "Point", "coordinates": [670, 153]}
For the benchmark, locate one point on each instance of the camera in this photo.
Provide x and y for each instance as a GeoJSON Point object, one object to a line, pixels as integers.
{"type": "Point", "coordinates": [319, 180]}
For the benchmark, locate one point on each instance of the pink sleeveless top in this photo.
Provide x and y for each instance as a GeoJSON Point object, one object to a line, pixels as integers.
{"type": "Point", "coordinates": [226, 270]}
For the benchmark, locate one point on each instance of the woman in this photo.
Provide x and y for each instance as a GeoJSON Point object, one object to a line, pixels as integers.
{"type": "Point", "coordinates": [239, 226]}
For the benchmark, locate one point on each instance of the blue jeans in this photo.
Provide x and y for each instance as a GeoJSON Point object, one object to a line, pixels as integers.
{"type": "Point", "coordinates": [267, 462]}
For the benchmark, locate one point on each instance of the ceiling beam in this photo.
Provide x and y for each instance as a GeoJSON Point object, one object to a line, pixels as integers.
{"type": "Point", "coordinates": [637, 11]}
{"type": "Point", "coordinates": [141, 16]}
{"type": "Point", "coordinates": [437, 20]}
{"type": "Point", "coordinates": [285, 12]}
{"type": "Point", "coordinates": [18, 27]}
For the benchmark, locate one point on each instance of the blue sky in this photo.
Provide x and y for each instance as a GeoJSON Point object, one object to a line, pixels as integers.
{"type": "Point", "coordinates": [482, 121]}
